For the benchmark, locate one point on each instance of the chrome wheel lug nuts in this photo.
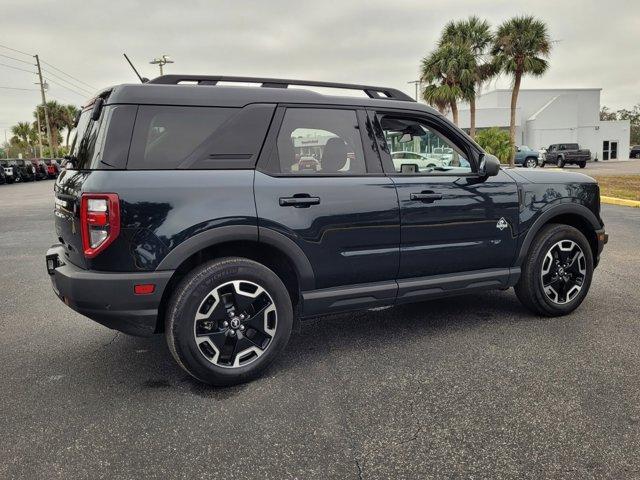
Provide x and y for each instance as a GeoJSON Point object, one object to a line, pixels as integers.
{"type": "Point", "coordinates": [225, 324]}
{"type": "Point", "coordinates": [242, 328]}
{"type": "Point", "coordinates": [232, 332]}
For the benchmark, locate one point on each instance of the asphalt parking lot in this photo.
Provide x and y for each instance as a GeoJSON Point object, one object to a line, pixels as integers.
{"type": "Point", "coordinates": [474, 387]}
{"type": "Point", "coordinates": [611, 167]}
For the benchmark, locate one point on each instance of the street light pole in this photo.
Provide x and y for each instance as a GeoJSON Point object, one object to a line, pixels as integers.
{"type": "Point", "coordinates": [417, 83]}
{"type": "Point", "coordinates": [161, 62]}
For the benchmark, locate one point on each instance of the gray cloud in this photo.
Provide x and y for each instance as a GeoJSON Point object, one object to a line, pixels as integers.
{"type": "Point", "coordinates": [373, 41]}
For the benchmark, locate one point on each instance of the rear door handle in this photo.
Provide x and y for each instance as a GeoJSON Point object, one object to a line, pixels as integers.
{"type": "Point", "coordinates": [427, 197]}
{"type": "Point", "coordinates": [299, 201]}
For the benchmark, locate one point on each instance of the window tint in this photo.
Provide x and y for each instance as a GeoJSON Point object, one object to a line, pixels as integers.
{"type": "Point", "coordinates": [164, 136]}
{"type": "Point", "coordinates": [416, 148]}
{"type": "Point", "coordinates": [320, 141]}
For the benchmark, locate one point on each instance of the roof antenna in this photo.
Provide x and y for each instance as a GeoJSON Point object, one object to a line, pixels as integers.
{"type": "Point", "coordinates": [142, 79]}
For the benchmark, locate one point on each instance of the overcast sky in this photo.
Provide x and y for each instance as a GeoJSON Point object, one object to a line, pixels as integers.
{"type": "Point", "coordinates": [597, 44]}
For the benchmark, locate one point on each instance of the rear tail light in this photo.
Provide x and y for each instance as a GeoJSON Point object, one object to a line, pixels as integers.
{"type": "Point", "coordinates": [99, 221]}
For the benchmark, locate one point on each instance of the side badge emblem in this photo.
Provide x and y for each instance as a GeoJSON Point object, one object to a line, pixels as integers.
{"type": "Point", "coordinates": [502, 224]}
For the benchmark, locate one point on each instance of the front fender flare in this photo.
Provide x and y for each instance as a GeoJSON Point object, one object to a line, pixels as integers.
{"type": "Point", "coordinates": [554, 211]}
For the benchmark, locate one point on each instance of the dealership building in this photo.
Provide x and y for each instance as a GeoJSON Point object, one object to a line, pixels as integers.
{"type": "Point", "coordinates": [548, 116]}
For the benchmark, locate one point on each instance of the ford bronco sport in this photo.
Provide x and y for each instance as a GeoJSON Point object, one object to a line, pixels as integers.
{"type": "Point", "coordinates": [190, 207]}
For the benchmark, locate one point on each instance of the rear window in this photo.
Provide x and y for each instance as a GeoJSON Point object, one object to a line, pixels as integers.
{"type": "Point", "coordinates": [172, 137]}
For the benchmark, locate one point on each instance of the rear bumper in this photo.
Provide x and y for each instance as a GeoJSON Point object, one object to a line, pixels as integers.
{"type": "Point", "coordinates": [105, 297]}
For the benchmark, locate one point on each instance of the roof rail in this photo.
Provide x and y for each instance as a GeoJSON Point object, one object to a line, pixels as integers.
{"type": "Point", "coordinates": [382, 93]}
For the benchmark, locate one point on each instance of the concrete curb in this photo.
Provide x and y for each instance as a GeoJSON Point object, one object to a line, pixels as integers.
{"type": "Point", "coordinates": [620, 201]}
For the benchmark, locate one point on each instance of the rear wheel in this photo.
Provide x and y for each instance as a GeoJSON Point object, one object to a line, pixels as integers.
{"type": "Point", "coordinates": [227, 320]}
{"type": "Point", "coordinates": [557, 272]}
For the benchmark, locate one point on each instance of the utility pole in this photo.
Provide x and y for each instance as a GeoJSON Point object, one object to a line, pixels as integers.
{"type": "Point", "coordinates": [39, 130]}
{"type": "Point", "coordinates": [161, 62]}
{"type": "Point", "coordinates": [44, 105]}
{"type": "Point", "coordinates": [417, 83]}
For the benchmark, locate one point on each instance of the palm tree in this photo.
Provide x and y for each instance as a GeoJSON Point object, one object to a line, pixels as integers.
{"type": "Point", "coordinates": [22, 131]}
{"type": "Point", "coordinates": [448, 72]}
{"type": "Point", "coordinates": [520, 47]}
{"type": "Point", "coordinates": [71, 111]}
{"type": "Point", "coordinates": [475, 35]}
{"type": "Point", "coordinates": [57, 114]}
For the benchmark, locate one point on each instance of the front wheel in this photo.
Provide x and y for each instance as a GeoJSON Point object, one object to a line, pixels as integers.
{"type": "Point", "coordinates": [531, 162]}
{"type": "Point", "coordinates": [227, 320]}
{"type": "Point", "coordinates": [560, 163]}
{"type": "Point", "coordinates": [557, 272]}
{"type": "Point", "coordinates": [582, 164]}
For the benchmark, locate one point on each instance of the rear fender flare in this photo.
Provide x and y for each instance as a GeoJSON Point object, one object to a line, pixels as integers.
{"type": "Point", "coordinates": [232, 233]}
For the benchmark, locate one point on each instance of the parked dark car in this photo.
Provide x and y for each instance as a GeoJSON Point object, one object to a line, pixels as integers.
{"type": "Point", "coordinates": [7, 171]}
{"type": "Point", "coordinates": [18, 170]}
{"type": "Point", "coordinates": [3, 178]}
{"type": "Point", "coordinates": [193, 219]}
{"type": "Point", "coordinates": [562, 154]}
{"type": "Point", "coordinates": [53, 167]}
{"type": "Point", "coordinates": [634, 152]}
{"type": "Point", "coordinates": [40, 168]}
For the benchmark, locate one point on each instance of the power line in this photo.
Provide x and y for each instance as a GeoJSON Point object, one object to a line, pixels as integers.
{"type": "Point", "coordinates": [16, 59]}
{"type": "Point", "coordinates": [25, 89]}
{"type": "Point", "coordinates": [48, 73]}
{"type": "Point", "coordinates": [81, 94]}
{"type": "Point", "coordinates": [17, 68]}
{"type": "Point", "coordinates": [17, 51]}
{"type": "Point", "coordinates": [71, 76]}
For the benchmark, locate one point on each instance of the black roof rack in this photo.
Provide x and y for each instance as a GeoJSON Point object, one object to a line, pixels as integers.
{"type": "Point", "coordinates": [373, 92]}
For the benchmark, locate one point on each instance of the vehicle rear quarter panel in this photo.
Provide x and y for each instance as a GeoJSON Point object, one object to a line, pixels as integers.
{"type": "Point", "coordinates": [160, 209]}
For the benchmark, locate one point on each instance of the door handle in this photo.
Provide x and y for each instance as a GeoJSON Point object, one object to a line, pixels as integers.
{"type": "Point", "coordinates": [299, 201]}
{"type": "Point", "coordinates": [427, 197]}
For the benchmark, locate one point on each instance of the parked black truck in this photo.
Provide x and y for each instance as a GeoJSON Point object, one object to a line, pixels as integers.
{"type": "Point", "coordinates": [562, 154]}
{"type": "Point", "coordinates": [195, 216]}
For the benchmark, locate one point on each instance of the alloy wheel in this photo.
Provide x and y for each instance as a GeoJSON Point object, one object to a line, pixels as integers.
{"type": "Point", "coordinates": [564, 270]}
{"type": "Point", "coordinates": [235, 323]}
{"type": "Point", "coordinates": [532, 163]}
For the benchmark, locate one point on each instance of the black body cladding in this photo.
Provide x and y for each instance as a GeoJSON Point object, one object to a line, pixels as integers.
{"type": "Point", "coordinates": [358, 236]}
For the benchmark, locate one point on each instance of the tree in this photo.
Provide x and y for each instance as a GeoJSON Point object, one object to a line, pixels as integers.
{"type": "Point", "coordinates": [520, 47]}
{"type": "Point", "coordinates": [449, 74]}
{"type": "Point", "coordinates": [22, 132]}
{"type": "Point", "coordinates": [70, 113]}
{"type": "Point", "coordinates": [57, 114]}
{"type": "Point", "coordinates": [474, 35]}
{"type": "Point", "coordinates": [496, 142]}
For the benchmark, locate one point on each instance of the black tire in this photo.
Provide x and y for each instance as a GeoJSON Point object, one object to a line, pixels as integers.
{"type": "Point", "coordinates": [530, 290]}
{"type": "Point", "coordinates": [561, 162]}
{"type": "Point", "coordinates": [531, 162]}
{"type": "Point", "coordinates": [187, 300]}
{"type": "Point", "coordinates": [542, 164]}
{"type": "Point", "coordinates": [582, 164]}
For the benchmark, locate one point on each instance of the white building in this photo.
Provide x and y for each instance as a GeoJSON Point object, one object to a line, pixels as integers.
{"type": "Point", "coordinates": [547, 116]}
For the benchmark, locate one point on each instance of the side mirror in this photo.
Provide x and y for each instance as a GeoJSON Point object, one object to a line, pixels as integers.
{"type": "Point", "coordinates": [489, 165]}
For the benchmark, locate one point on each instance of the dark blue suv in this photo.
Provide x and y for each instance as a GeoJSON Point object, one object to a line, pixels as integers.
{"type": "Point", "coordinates": [218, 214]}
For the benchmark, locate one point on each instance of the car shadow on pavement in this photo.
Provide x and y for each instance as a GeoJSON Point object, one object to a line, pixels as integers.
{"type": "Point", "coordinates": [145, 364]}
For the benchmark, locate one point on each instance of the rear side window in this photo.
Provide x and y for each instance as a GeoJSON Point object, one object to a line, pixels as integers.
{"type": "Point", "coordinates": [103, 143]}
{"type": "Point", "coordinates": [171, 137]}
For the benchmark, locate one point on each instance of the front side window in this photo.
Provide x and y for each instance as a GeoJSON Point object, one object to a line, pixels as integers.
{"type": "Point", "coordinates": [320, 141]}
{"type": "Point", "coordinates": [417, 148]}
